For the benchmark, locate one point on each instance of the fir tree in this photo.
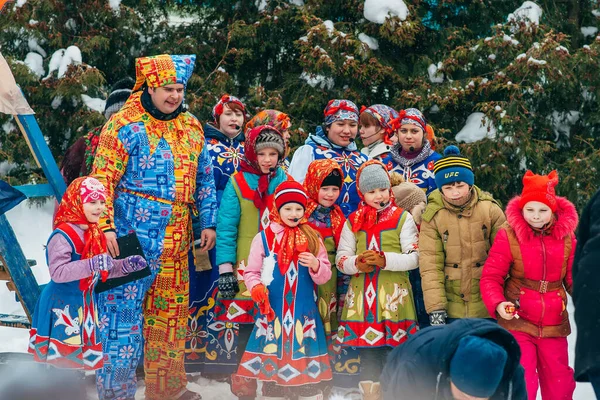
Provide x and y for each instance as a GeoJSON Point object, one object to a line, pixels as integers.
{"type": "Point", "coordinates": [536, 84]}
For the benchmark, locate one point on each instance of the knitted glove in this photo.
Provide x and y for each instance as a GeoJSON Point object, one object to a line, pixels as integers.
{"type": "Point", "coordinates": [260, 295]}
{"type": "Point", "coordinates": [376, 258]}
{"type": "Point", "coordinates": [133, 263]}
{"type": "Point", "coordinates": [100, 262]}
{"type": "Point", "coordinates": [438, 317]}
{"type": "Point", "coordinates": [362, 264]}
{"type": "Point", "coordinates": [228, 285]}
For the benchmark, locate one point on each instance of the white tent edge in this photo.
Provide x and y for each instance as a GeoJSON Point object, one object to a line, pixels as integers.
{"type": "Point", "coordinates": [12, 101]}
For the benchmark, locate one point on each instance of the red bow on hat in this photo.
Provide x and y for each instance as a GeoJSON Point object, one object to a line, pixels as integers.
{"type": "Point", "coordinates": [342, 106]}
{"type": "Point", "coordinates": [403, 115]}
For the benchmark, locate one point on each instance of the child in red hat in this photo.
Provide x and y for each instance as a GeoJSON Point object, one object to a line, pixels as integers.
{"type": "Point", "coordinates": [288, 347]}
{"type": "Point", "coordinates": [535, 248]}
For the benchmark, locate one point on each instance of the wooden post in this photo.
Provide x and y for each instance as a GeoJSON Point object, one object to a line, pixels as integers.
{"type": "Point", "coordinates": [16, 264]}
{"type": "Point", "coordinates": [37, 143]}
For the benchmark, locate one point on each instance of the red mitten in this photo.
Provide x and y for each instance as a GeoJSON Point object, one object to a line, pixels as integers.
{"type": "Point", "coordinates": [260, 295]}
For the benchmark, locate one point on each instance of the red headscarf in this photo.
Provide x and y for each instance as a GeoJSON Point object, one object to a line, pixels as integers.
{"type": "Point", "coordinates": [365, 215]}
{"type": "Point", "coordinates": [70, 210]}
{"type": "Point", "coordinates": [250, 164]}
{"type": "Point", "coordinates": [317, 172]}
{"type": "Point", "coordinates": [293, 241]}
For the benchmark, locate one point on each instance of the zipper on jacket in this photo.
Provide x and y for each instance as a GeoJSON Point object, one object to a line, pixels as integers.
{"type": "Point", "coordinates": [445, 237]}
{"type": "Point", "coordinates": [485, 232]}
{"type": "Point", "coordinates": [543, 279]}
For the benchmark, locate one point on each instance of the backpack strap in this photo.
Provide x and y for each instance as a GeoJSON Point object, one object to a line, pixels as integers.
{"type": "Point", "coordinates": [75, 239]}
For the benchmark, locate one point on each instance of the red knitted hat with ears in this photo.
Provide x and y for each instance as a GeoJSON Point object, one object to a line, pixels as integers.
{"type": "Point", "coordinates": [290, 192]}
{"type": "Point", "coordinates": [539, 188]}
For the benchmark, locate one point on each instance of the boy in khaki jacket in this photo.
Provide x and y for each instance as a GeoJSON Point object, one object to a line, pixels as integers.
{"type": "Point", "coordinates": [457, 231]}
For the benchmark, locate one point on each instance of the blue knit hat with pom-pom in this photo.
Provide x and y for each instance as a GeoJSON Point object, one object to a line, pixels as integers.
{"type": "Point", "coordinates": [453, 167]}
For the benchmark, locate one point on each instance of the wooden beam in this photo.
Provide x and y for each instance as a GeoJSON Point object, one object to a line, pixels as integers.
{"type": "Point", "coordinates": [41, 152]}
{"type": "Point", "coordinates": [16, 264]}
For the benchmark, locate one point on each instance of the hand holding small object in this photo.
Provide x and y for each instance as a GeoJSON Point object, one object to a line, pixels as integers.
{"type": "Point", "coordinates": [507, 310]}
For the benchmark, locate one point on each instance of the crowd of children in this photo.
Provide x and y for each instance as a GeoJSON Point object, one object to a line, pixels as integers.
{"type": "Point", "coordinates": [317, 274]}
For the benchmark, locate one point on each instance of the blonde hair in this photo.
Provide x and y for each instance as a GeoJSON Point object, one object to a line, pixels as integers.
{"type": "Point", "coordinates": [314, 239]}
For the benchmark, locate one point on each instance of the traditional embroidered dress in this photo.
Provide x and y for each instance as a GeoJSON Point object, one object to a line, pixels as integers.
{"type": "Point", "coordinates": [291, 350]}
{"type": "Point", "coordinates": [328, 221]}
{"type": "Point", "coordinates": [64, 321]}
{"type": "Point", "coordinates": [246, 205]}
{"type": "Point", "coordinates": [318, 147]}
{"type": "Point", "coordinates": [207, 339]}
{"type": "Point", "coordinates": [418, 170]}
{"type": "Point", "coordinates": [379, 309]}
{"type": "Point", "coordinates": [158, 172]}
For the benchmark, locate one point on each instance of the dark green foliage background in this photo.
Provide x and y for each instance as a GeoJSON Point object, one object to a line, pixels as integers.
{"type": "Point", "coordinates": [260, 56]}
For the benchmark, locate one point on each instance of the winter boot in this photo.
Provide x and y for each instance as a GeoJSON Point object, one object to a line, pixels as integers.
{"type": "Point", "coordinates": [376, 391]}
{"type": "Point", "coordinates": [318, 396]}
{"type": "Point", "coordinates": [370, 390]}
{"type": "Point", "coordinates": [365, 387]}
{"type": "Point", "coordinates": [242, 387]}
{"type": "Point", "coordinates": [189, 395]}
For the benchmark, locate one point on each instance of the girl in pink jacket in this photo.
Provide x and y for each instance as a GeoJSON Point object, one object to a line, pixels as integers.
{"type": "Point", "coordinates": [288, 346]}
{"type": "Point", "coordinates": [525, 280]}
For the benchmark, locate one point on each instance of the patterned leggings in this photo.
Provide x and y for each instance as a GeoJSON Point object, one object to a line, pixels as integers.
{"type": "Point", "coordinates": [163, 323]}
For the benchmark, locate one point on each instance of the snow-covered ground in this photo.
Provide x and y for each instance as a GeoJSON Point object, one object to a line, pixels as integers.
{"type": "Point", "coordinates": [33, 226]}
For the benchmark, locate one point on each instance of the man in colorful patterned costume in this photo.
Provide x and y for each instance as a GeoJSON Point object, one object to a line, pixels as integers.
{"type": "Point", "coordinates": [153, 162]}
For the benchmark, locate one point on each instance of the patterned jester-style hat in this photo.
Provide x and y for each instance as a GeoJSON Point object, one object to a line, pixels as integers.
{"type": "Point", "coordinates": [162, 70]}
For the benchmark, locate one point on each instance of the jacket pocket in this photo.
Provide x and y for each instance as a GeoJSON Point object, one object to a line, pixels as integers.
{"type": "Point", "coordinates": [530, 305]}
{"type": "Point", "coordinates": [453, 277]}
{"type": "Point", "coordinates": [555, 305]}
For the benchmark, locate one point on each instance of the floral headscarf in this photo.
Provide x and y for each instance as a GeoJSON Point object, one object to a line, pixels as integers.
{"type": "Point", "coordinates": [276, 119]}
{"type": "Point", "coordinates": [340, 110]}
{"type": "Point", "coordinates": [226, 99]}
{"type": "Point", "coordinates": [318, 170]}
{"type": "Point", "coordinates": [365, 215]}
{"type": "Point", "coordinates": [386, 117]}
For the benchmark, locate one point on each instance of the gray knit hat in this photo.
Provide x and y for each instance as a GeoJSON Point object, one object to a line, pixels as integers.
{"type": "Point", "coordinates": [119, 94]}
{"type": "Point", "coordinates": [269, 138]}
{"type": "Point", "coordinates": [408, 195]}
{"type": "Point", "coordinates": [373, 176]}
